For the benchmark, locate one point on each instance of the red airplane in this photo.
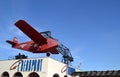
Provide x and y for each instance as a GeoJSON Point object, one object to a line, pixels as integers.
{"type": "Point", "coordinates": [38, 44]}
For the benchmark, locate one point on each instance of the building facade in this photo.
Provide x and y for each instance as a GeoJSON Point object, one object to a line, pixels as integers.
{"type": "Point", "coordinates": [34, 67]}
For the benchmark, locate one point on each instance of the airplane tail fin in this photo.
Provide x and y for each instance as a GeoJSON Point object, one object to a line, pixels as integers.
{"type": "Point", "coordinates": [14, 42]}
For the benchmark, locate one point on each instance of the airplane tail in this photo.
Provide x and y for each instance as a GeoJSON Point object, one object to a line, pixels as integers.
{"type": "Point", "coordinates": [14, 42]}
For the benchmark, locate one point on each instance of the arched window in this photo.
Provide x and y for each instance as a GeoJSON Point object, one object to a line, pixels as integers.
{"type": "Point", "coordinates": [18, 74]}
{"type": "Point", "coordinates": [65, 76]}
{"type": "Point", "coordinates": [33, 74]}
{"type": "Point", "coordinates": [56, 75]}
{"type": "Point", "coordinates": [5, 74]}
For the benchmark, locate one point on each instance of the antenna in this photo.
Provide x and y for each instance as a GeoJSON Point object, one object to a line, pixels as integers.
{"type": "Point", "coordinates": [79, 65]}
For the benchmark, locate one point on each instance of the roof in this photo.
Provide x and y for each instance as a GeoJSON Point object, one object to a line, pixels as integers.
{"type": "Point", "coordinates": [109, 73]}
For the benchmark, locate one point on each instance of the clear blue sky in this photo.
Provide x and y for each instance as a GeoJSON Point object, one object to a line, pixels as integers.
{"type": "Point", "coordinates": [89, 28]}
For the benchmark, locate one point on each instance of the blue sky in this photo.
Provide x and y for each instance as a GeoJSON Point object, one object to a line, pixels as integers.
{"type": "Point", "coordinates": [89, 28]}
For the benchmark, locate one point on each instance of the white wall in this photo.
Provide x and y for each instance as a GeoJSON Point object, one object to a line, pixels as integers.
{"type": "Point", "coordinates": [49, 67]}
{"type": "Point", "coordinates": [56, 67]}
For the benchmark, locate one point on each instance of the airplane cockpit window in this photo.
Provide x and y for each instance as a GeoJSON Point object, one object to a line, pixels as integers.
{"type": "Point", "coordinates": [46, 34]}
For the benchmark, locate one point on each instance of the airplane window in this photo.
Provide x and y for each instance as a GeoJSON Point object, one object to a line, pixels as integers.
{"type": "Point", "coordinates": [46, 34]}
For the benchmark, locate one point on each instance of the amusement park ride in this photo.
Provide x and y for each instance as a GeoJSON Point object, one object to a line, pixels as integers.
{"type": "Point", "coordinates": [41, 42]}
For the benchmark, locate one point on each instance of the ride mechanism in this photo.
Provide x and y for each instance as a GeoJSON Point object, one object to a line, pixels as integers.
{"type": "Point", "coordinates": [41, 42]}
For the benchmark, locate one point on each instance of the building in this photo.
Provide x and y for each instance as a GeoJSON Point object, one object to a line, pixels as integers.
{"type": "Point", "coordinates": [108, 73]}
{"type": "Point", "coordinates": [33, 67]}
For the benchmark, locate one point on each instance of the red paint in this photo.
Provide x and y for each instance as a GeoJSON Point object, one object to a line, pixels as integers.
{"type": "Point", "coordinates": [64, 69]}
{"type": "Point", "coordinates": [14, 65]}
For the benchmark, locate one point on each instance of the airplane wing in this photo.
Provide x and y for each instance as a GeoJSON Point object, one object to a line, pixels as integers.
{"type": "Point", "coordinates": [30, 32]}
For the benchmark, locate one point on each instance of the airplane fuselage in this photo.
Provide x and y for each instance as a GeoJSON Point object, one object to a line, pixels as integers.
{"type": "Point", "coordinates": [31, 46]}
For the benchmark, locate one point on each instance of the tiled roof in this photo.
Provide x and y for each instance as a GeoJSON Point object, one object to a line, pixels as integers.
{"type": "Point", "coordinates": [109, 73]}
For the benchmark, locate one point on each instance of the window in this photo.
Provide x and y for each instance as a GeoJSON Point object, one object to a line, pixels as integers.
{"type": "Point", "coordinates": [33, 74]}
{"type": "Point", "coordinates": [5, 74]}
{"type": "Point", "coordinates": [56, 75]}
{"type": "Point", "coordinates": [18, 74]}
